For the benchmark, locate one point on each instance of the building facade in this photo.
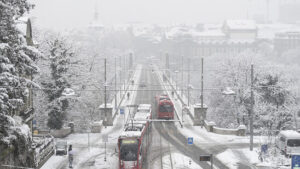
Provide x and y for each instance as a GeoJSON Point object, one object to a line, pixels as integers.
{"type": "Point", "coordinates": [286, 40]}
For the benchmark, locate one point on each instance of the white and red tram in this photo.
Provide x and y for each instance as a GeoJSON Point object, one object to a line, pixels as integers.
{"type": "Point", "coordinates": [135, 139]}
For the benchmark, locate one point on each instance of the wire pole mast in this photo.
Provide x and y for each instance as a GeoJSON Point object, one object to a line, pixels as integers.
{"type": "Point", "coordinates": [251, 108]}
{"type": "Point", "coordinates": [188, 82]}
{"type": "Point", "coordinates": [116, 101]}
{"type": "Point", "coordinates": [105, 85]}
{"type": "Point", "coordinates": [201, 83]}
{"type": "Point", "coordinates": [202, 119]}
{"type": "Point", "coordinates": [181, 76]}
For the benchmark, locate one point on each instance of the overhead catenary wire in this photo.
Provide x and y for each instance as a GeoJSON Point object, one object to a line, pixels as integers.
{"type": "Point", "coordinates": [184, 89]}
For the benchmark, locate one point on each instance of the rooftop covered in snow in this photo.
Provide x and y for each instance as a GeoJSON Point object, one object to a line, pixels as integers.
{"type": "Point", "coordinates": [290, 133]}
{"type": "Point", "coordinates": [240, 24]}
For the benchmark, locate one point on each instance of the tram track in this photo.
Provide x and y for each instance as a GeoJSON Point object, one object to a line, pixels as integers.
{"type": "Point", "coordinates": [170, 132]}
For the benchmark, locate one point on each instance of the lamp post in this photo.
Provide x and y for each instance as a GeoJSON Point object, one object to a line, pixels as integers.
{"type": "Point", "coordinates": [188, 83]}
{"type": "Point", "coordinates": [116, 83]}
{"type": "Point", "coordinates": [251, 108]}
{"type": "Point", "coordinates": [176, 72]}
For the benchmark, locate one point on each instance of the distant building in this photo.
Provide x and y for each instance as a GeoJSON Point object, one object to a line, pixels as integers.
{"type": "Point", "coordinates": [286, 40]}
{"type": "Point", "coordinates": [225, 47]}
{"type": "Point", "coordinates": [234, 37]}
{"type": "Point", "coordinates": [240, 29]}
{"type": "Point", "coordinates": [95, 25]}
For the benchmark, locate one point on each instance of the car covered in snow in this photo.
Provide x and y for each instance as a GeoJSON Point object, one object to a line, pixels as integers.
{"type": "Point", "coordinates": [288, 141]}
{"type": "Point", "coordinates": [61, 147]}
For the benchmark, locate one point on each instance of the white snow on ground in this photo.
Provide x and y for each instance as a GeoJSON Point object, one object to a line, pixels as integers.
{"type": "Point", "coordinates": [229, 159]}
{"type": "Point", "coordinates": [54, 162]}
{"type": "Point", "coordinates": [93, 157]}
{"type": "Point", "coordinates": [182, 161]}
{"type": "Point", "coordinates": [179, 161]}
{"type": "Point", "coordinates": [201, 136]}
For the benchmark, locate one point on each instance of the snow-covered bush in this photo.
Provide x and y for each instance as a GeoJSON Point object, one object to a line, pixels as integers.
{"type": "Point", "coordinates": [274, 99]}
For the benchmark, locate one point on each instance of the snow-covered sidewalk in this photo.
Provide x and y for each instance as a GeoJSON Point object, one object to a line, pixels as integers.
{"type": "Point", "coordinates": [237, 158]}
{"type": "Point", "coordinates": [178, 161]}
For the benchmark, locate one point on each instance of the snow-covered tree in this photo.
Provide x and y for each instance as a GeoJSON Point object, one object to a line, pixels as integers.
{"type": "Point", "coordinates": [273, 98]}
{"type": "Point", "coordinates": [16, 66]}
{"type": "Point", "coordinates": [59, 55]}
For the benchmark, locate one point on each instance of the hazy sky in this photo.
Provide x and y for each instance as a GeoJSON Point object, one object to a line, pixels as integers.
{"type": "Point", "coordinates": [63, 14]}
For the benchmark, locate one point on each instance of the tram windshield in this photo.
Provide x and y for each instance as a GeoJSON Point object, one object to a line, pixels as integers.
{"type": "Point", "coordinates": [129, 150]}
{"type": "Point", "coordinates": [166, 108]}
{"type": "Point", "coordinates": [293, 143]}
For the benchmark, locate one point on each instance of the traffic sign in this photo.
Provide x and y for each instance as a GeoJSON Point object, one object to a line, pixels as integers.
{"type": "Point", "coordinates": [190, 140]}
{"type": "Point", "coordinates": [295, 161]}
{"type": "Point", "coordinates": [122, 111]}
{"type": "Point", "coordinates": [205, 158]}
{"type": "Point", "coordinates": [132, 105]}
{"type": "Point", "coordinates": [264, 148]}
{"type": "Point", "coordinates": [34, 123]}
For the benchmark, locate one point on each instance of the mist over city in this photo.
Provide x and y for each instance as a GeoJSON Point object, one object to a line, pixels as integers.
{"type": "Point", "coordinates": [140, 84]}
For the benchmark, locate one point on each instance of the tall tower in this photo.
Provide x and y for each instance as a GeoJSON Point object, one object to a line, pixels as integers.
{"type": "Point", "coordinates": [95, 24]}
{"type": "Point", "coordinates": [96, 13]}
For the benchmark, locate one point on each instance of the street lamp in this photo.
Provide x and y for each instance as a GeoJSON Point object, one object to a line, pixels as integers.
{"type": "Point", "coordinates": [68, 92]}
{"type": "Point", "coordinates": [228, 91]}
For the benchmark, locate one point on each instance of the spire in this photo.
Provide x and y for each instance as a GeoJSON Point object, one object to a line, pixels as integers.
{"type": "Point", "coordinates": [96, 14]}
{"type": "Point", "coordinates": [95, 24]}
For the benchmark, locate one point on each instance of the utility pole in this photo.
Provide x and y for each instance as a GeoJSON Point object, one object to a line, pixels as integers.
{"type": "Point", "coordinates": [167, 66]}
{"type": "Point", "coordinates": [120, 75]}
{"type": "Point", "coordinates": [116, 101]}
{"type": "Point", "coordinates": [130, 60]}
{"type": "Point", "coordinates": [251, 108]}
{"type": "Point", "coordinates": [188, 89]}
{"type": "Point", "coordinates": [124, 72]}
{"type": "Point", "coordinates": [105, 104]}
{"type": "Point", "coordinates": [181, 75]}
{"type": "Point", "coordinates": [201, 83]}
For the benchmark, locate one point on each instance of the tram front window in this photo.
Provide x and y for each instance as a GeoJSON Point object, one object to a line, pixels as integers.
{"type": "Point", "coordinates": [166, 108]}
{"type": "Point", "coordinates": [129, 150]}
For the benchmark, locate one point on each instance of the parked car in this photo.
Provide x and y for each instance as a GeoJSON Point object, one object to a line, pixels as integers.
{"type": "Point", "coordinates": [61, 147]}
{"type": "Point", "coordinates": [288, 141]}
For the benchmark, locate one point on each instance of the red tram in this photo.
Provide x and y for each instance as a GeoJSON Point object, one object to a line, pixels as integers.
{"type": "Point", "coordinates": [165, 107]}
{"type": "Point", "coordinates": [135, 139]}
